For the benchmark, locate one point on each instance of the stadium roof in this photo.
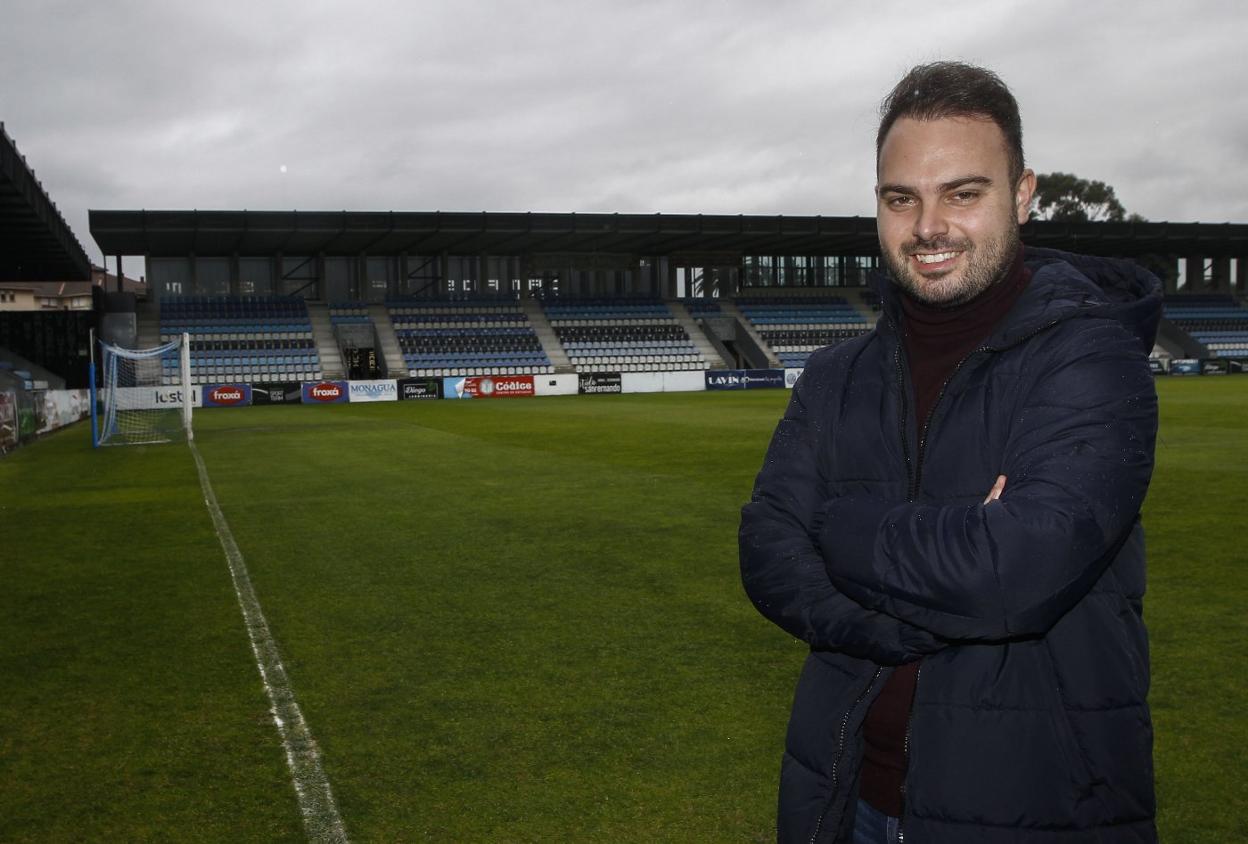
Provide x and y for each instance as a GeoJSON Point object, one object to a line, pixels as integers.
{"type": "Point", "coordinates": [381, 233]}
{"type": "Point", "coordinates": [36, 243]}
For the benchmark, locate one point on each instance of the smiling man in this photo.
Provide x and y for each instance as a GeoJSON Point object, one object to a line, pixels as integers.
{"type": "Point", "coordinates": [948, 514]}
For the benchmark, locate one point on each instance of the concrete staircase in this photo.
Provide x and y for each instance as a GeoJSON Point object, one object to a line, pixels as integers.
{"type": "Point", "coordinates": [147, 324]}
{"type": "Point", "coordinates": [546, 335]}
{"type": "Point", "coordinates": [728, 307]}
{"type": "Point", "coordinates": [326, 344]}
{"type": "Point", "coordinates": [714, 360]}
{"type": "Point", "coordinates": [855, 296]}
{"type": "Point", "coordinates": [391, 352]}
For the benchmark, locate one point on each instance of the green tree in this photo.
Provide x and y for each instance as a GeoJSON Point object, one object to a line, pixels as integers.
{"type": "Point", "coordinates": [1064, 197]}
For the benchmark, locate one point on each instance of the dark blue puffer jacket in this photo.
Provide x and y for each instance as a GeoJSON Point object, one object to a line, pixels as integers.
{"type": "Point", "coordinates": [866, 536]}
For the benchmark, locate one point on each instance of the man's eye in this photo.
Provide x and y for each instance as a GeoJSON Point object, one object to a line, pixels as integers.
{"type": "Point", "coordinates": [900, 201]}
{"type": "Point", "coordinates": [965, 196]}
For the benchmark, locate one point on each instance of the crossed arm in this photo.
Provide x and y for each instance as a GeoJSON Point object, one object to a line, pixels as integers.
{"type": "Point", "coordinates": [783, 569]}
{"type": "Point", "coordinates": [1078, 458]}
{"type": "Point", "coordinates": [892, 581]}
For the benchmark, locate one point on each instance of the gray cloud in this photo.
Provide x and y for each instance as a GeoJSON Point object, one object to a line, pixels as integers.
{"type": "Point", "coordinates": [714, 107]}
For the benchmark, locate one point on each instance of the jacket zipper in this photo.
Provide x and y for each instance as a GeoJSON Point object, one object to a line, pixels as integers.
{"type": "Point", "coordinates": [917, 475]}
{"type": "Point", "coordinates": [916, 478]}
{"type": "Point", "coordinates": [840, 751]}
{"type": "Point", "coordinates": [905, 751]}
{"type": "Point", "coordinates": [904, 412]}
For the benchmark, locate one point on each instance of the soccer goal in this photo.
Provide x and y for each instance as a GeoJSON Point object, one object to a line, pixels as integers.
{"type": "Point", "coordinates": [144, 395]}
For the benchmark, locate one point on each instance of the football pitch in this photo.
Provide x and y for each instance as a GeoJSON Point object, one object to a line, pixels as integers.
{"type": "Point", "coordinates": [502, 620]}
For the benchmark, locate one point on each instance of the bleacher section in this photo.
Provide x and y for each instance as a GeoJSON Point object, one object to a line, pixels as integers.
{"type": "Point", "coordinates": [349, 313]}
{"type": "Point", "coordinates": [796, 326]}
{"type": "Point", "coordinates": [242, 338]}
{"type": "Point", "coordinates": [699, 308]}
{"type": "Point", "coordinates": [618, 335]}
{"type": "Point", "coordinates": [1217, 321]}
{"type": "Point", "coordinates": [270, 338]}
{"type": "Point", "coordinates": [467, 338]}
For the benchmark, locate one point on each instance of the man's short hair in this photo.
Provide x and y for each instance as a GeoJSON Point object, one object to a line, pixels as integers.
{"type": "Point", "coordinates": [955, 89]}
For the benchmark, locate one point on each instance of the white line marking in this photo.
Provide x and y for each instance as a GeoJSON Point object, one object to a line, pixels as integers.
{"type": "Point", "coordinates": [321, 820]}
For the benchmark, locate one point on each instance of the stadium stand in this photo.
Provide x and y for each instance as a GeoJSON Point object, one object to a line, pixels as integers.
{"type": "Point", "coordinates": [1216, 321]}
{"type": "Point", "coordinates": [349, 313]}
{"type": "Point", "coordinates": [796, 326]}
{"type": "Point", "coordinates": [626, 335]}
{"type": "Point", "coordinates": [698, 308]}
{"type": "Point", "coordinates": [242, 338]}
{"type": "Point", "coordinates": [467, 338]}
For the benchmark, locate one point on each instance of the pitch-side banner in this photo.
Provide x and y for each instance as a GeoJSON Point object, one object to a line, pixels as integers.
{"type": "Point", "coordinates": [149, 398]}
{"type": "Point", "coordinates": [8, 421]}
{"type": "Point", "coordinates": [287, 393]}
{"type": "Point", "coordinates": [225, 395]}
{"type": "Point", "coordinates": [683, 381]}
{"type": "Point", "coordinates": [325, 392]}
{"type": "Point", "coordinates": [1237, 366]}
{"type": "Point", "coordinates": [744, 379]}
{"type": "Point", "coordinates": [563, 384]}
{"type": "Point", "coordinates": [1184, 366]}
{"type": "Point", "coordinates": [765, 378]}
{"type": "Point", "coordinates": [791, 375]}
{"type": "Point", "coordinates": [488, 387]}
{"type": "Point", "coordinates": [1215, 366]}
{"type": "Point", "coordinates": [725, 379]}
{"type": "Point", "coordinates": [420, 388]}
{"type": "Point", "coordinates": [374, 390]}
{"type": "Point", "coordinates": [590, 383]}
{"type": "Point", "coordinates": [63, 407]}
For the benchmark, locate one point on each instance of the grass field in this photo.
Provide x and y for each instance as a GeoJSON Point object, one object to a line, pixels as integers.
{"type": "Point", "coordinates": [504, 621]}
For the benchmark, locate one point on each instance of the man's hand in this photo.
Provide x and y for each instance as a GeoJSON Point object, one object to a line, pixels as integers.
{"type": "Point", "coordinates": [997, 489]}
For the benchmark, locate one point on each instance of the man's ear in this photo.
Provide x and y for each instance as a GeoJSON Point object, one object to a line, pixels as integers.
{"type": "Point", "coordinates": [1023, 192]}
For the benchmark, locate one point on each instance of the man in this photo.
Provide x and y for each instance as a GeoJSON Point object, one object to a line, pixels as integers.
{"type": "Point", "coordinates": [948, 514]}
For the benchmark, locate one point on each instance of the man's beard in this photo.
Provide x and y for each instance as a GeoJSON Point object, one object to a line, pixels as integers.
{"type": "Point", "coordinates": [984, 266]}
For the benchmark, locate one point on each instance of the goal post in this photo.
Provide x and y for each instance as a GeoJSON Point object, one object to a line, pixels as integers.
{"type": "Point", "coordinates": [144, 395]}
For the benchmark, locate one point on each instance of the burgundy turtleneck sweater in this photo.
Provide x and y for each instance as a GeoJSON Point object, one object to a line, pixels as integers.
{"type": "Point", "coordinates": [936, 340]}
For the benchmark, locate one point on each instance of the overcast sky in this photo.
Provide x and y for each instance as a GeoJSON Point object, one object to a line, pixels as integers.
{"type": "Point", "coordinates": [629, 106]}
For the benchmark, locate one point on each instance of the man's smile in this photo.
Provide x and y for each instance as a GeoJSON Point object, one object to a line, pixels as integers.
{"type": "Point", "coordinates": [935, 262]}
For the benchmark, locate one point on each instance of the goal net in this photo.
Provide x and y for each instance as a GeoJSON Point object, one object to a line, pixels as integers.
{"type": "Point", "coordinates": [144, 394]}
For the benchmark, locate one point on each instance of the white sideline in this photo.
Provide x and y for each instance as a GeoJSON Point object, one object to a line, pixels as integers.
{"type": "Point", "coordinates": [321, 820]}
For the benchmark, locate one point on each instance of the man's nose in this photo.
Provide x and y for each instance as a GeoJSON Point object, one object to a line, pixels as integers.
{"type": "Point", "coordinates": [931, 222]}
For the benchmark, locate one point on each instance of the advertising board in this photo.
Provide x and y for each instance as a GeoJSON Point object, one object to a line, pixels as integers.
{"type": "Point", "coordinates": [325, 392]}
{"type": "Point", "coordinates": [641, 382]}
{"type": "Point", "coordinates": [488, 387]}
{"type": "Point", "coordinates": [725, 379]}
{"type": "Point", "coordinates": [1237, 366]}
{"type": "Point", "coordinates": [1159, 366]}
{"type": "Point", "coordinates": [592, 383]}
{"type": "Point", "coordinates": [225, 395]}
{"type": "Point", "coordinates": [384, 390]}
{"type": "Point", "coordinates": [1215, 366]}
{"type": "Point", "coordinates": [419, 388]}
{"type": "Point", "coordinates": [150, 398]}
{"type": "Point", "coordinates": [763, 378]}
{"type": "Point", "coordinates": [684, 381]}
{"type": "Point", "coordinates": [563, 384]}
{"type": "Point", "coordinates": [277, 393]}
{"type": "Point", "coordinates": [8, 421]}
{"type": "Point", "coordinates": [1184, 366]}
{"type": "Point", "coordinates": [791, 375]}
{"type": "Point", "coordinates": [63, 407]}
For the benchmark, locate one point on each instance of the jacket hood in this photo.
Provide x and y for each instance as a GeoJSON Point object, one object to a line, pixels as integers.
{"type": "Point", "coordinates": [1109, 287]}
{"type": "Point", "coordinates": [1065, 285]}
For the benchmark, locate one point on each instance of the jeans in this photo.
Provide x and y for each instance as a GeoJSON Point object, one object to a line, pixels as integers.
{"type": "Point", "coordinates": [871, 826]}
